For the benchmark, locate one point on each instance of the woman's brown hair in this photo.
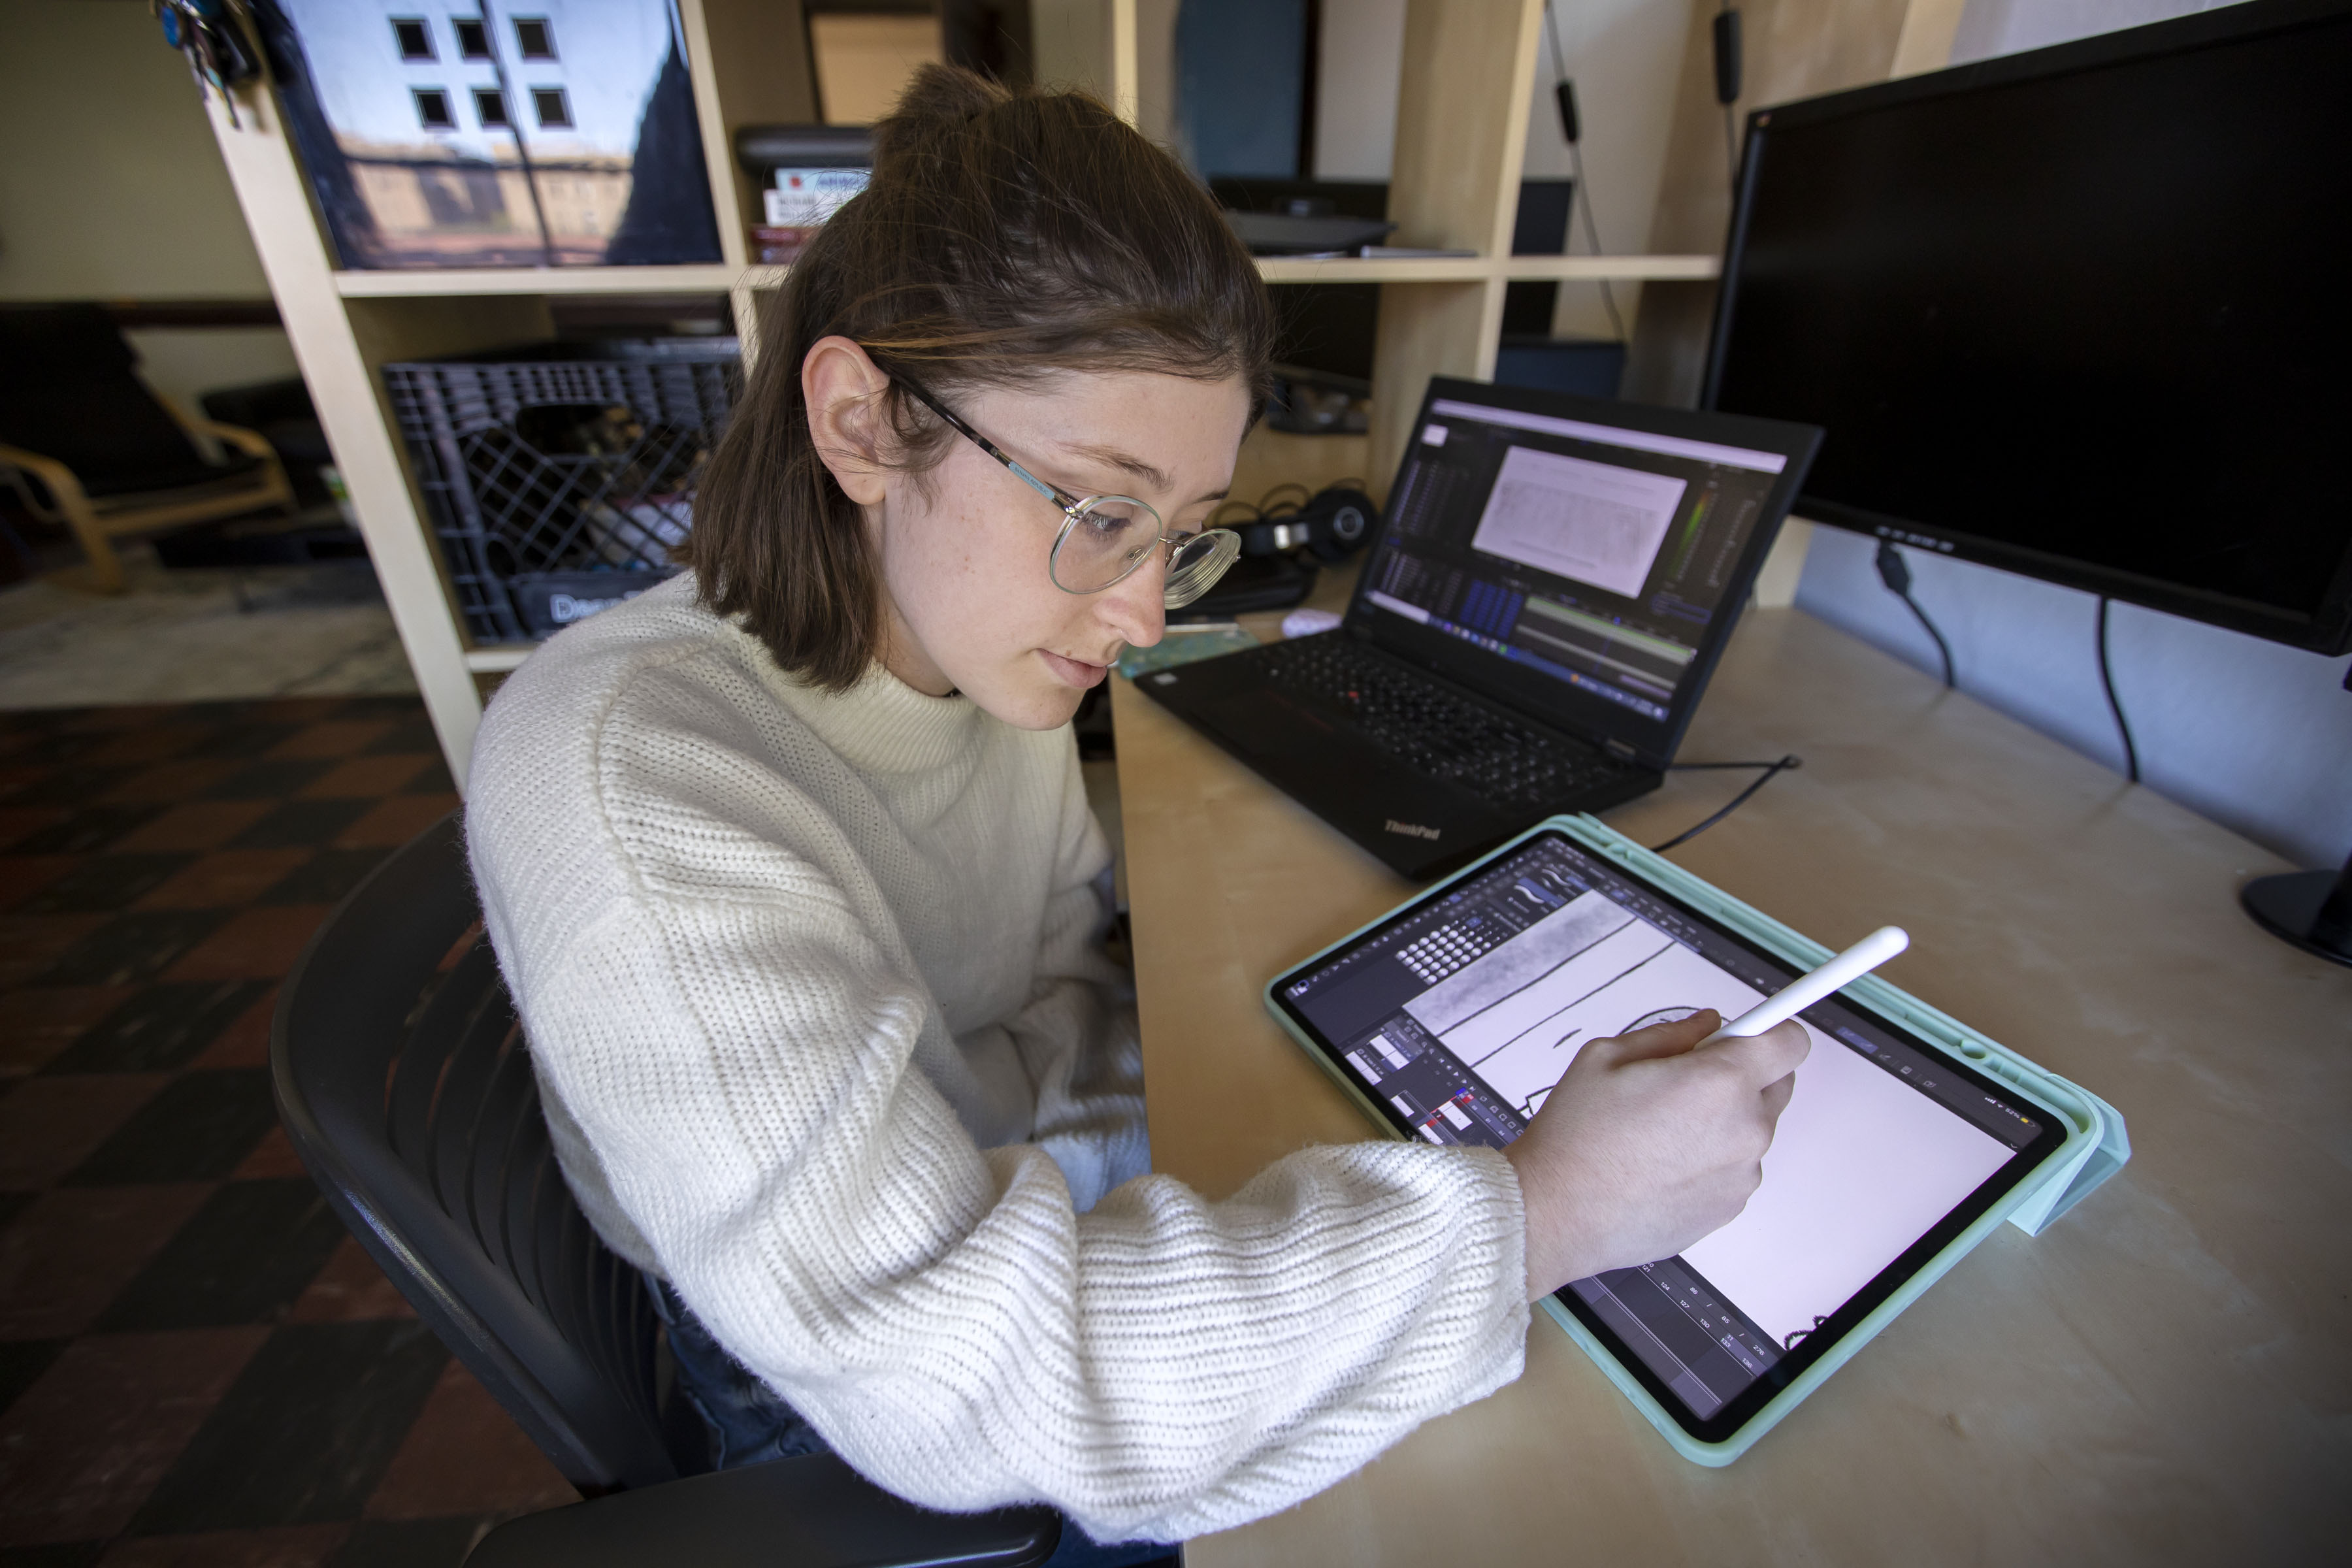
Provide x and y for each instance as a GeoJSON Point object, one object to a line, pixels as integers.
{"type": "Point", "coordinates": [1005, 235]}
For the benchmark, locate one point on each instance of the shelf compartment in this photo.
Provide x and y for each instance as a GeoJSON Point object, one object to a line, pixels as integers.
{"type": "Point", "coordinates": [712, 277]}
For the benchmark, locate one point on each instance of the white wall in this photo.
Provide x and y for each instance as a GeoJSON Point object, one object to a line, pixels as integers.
{"type": "Point", "coordinates": [1624, 56]}
{"type": "Point", "coordinates": [112, 188]}
{"type": "Point", "coordinates": [2256, 736]}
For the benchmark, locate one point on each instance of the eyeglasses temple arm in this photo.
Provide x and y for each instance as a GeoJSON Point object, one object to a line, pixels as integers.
{"type": "Point", "coordinates": [1067, 502]}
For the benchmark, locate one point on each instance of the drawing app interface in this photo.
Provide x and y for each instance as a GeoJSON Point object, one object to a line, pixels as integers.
{"type": "Point", "coordinates": [1595, 555]}
{"type": "Point", "coordinates": [1463, 1018]}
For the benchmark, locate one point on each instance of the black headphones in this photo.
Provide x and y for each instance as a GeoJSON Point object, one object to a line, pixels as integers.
{"type": "Point", "coordinates": [1333, 523]}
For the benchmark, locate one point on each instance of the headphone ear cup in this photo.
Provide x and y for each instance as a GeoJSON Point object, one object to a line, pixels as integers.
{"type": "Point", "coordinates": [1344, 521]}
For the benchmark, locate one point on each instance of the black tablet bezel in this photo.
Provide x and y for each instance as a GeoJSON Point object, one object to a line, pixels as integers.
{"type": "Point", "coordinates": [1743, 1407]}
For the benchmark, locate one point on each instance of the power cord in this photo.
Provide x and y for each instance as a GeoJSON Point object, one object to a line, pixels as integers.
{"type": "Point", "coordinates": [1580, 193]}
{"type": "Point", "coordinates": [1786, 763]}
{"type": "Point", "coordinates": [2107, 683]}
{"type": "Point", "coordinates": [1896, 572]}
{"type": "Point", "coordinates": [1726, 86]}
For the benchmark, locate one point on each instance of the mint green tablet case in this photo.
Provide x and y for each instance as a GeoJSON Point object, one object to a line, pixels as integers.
{"type": "Point", "coordinates": [2095, 1147]}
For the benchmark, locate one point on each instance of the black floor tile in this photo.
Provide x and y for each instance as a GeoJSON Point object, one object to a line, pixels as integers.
{"type": "Point", "coordinates": [304, 1434]}
{"type": "Point", "coordinates": [22, 1362]}
{"type": "Point", "coordinates": [410, 1543]}
{"type": "Point", "coordinates": [163, 1027]}
{"type": "Point", "coordinates": [270, 779]}
{"type": "Point", "coordinates": [415, 735]}
{"type": "Point", "coordinates": [92, 828]}
{"type": "Point", "coordinates": [241, 740]}
{"type": "Point", "coordinates": [195, 1129]}
{"type": "Point", "coordinates": [104, 882]}
{"type": "Point", "coordinates": [72, 1555]}
{"type": "Point", "coordinates": [68, 785]}
{"type": "Point", "coordinates": [13, 1203]}
{"type": "Point", "coordinates": [325, 878]}
{"type": "Point", "coordinates": [241, 1259]}
{"type": "Point", "coordinates": [302, 824]}
{"type": "Point", "coordinates": [434, 780]}
{"type": "Point", "coordinates": [131, 947]}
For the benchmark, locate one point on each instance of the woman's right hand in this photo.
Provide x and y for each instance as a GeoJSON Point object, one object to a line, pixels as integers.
{"type": "Point", "coordinates": [1648, 1144]}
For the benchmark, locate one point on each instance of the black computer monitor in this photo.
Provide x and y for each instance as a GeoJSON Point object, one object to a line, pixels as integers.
{"type": "Point", "coordinates": [2084, 313]}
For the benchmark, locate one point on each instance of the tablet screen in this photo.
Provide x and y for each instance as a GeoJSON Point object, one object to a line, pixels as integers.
{"type": "Point", "coordinates": [1459, 1015]}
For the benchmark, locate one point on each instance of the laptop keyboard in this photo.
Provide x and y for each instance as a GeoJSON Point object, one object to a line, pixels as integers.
{"type": "Point", "coordinates": [1439, 735]}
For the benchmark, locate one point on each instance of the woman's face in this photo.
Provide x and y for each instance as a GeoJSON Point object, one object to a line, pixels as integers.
{"type": "Point", "coordinates": [971, 604]}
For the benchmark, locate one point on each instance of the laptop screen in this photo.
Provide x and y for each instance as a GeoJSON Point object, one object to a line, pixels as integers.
{"type": "Point", "coordinates": [1594, 556]}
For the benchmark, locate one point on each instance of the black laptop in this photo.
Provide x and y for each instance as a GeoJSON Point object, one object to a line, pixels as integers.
{"type": "Point", "coordinates": [1550, 588]}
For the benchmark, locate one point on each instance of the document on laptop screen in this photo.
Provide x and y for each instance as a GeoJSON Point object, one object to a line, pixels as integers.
{"type": "Point", "coordinates": [1595, 555]}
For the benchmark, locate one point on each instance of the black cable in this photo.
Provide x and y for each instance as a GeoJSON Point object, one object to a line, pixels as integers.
{"type": "Point", "coordinates": [1785, 763]}
{"type": "Point", "coordinates": [1727, 73]}
{"type": "Point", "coordinates": [1731, 151]}
{"type": "Point", "coordinates": [1580, 194]}
{"type": "Point", "coordinates": [1896, 572]}
{"type": "Point", "coordinates": [2108, 682]}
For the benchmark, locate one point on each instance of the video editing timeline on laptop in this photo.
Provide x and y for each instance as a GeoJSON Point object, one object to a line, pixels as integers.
{"type": "Point", "coordinates": [1595, 554]}
{"type": "Point", "coordinates": [1462, 1017]}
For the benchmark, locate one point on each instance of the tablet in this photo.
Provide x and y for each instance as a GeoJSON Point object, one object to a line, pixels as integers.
{"type": "Point", "coordinates": [1451, 1018]}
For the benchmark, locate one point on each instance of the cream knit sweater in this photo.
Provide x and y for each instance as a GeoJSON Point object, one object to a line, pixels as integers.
{"type": "Point", "coordinates": [813, 987]}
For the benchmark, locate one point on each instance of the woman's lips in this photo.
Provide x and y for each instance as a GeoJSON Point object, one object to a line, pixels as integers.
{"type": "Point", "coordinates": [1075, 672]}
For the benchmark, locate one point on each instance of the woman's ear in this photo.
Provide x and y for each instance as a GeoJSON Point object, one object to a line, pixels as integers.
{"type": "Point", "coordinates": [843, 391]}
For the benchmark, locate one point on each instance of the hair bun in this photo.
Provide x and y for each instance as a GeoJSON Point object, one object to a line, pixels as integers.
{"type": "Point", "coordinates": [939, 99]}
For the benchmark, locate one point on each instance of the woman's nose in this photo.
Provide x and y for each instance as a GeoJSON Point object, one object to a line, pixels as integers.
{"type": "Point", "coordinates": [1136, 605]}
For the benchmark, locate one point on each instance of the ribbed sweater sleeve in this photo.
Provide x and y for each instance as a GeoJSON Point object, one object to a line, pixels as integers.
{"type": "Point", "coordinates": [735, 1033]}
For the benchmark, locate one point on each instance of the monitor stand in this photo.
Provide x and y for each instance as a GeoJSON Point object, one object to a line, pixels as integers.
{"type": "Point", "coordinates": [2312, 910]}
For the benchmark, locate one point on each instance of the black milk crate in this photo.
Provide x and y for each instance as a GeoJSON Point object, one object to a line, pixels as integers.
{"type": "Point", "coordinates": [560, 476]}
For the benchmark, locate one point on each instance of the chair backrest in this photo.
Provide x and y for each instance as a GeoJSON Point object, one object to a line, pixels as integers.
{"type": "Point", "coordinates": [71, 393]}
{"type": "Point", "coordinates": [403, 1082]}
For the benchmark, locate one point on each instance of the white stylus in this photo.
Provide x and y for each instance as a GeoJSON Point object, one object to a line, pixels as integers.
{"type": "Point", "coordinates": [1805, 990]}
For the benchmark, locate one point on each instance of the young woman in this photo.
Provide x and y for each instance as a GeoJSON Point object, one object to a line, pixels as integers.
{"type": "Point", "coordinates": [791, 873]}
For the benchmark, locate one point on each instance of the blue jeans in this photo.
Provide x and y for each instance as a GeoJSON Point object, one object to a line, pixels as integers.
{"type": "Point", "coordinates": [748, 1422]}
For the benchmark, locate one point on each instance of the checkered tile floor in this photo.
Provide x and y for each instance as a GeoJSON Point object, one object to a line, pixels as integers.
{"type": "Point", "coordinates": [197, 1367]}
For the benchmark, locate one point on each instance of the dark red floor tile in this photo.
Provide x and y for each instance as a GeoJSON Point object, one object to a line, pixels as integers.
{"type": "Point", "coordinates": [22, 875]}
{"type": "Point", "coordinates": [268, 779]}
{"type": "Point", "coordinates": [169, 783]}
{"type": "Point", "coordinates": [333, 738]}
{"type": "Point", "coordinates": [369, 777]}
{"type": "Point", "coordinates": [43, 1021]}
{"type": "Point", "coordinates": [195, 827]}
{"type": "Point", "coordinates": [414, 733]}
{"type": "Point", "coordinates": [246, 1042]}
{"type": "Point", "coordinates": [326, 878]}
{"type": "Point", "coordinates": [49, 1125]}
{"type": "Point", "coordinates": [301, 709]}
{"type": "Point", "coordinates": [71, 785]}
{"type": "Point", "coordinates": [30, 944]}
{"type": "Point", "coordinates": [81, 830]}
{"type": "Point", "coordinates": [225, 880]}
{"type": "Point", "coordinates": [72, 1250]}
{"type": "Point", "coordinates": [125, 717]}
{"type": "Point", "coordinates": [87, 1443]}
{"type": "Point", "coordinates": [396, 821]}
{"type": "Point", "coordinates": [350, 1288]}
{"type": "Point", "coordinates": [272, 1158]}
{"type": "Point", "coordinates": [465, 1454]}
{"type": "Point", "coordinates": [257, 945]}
{"type": "Point", "coordinates": [285, 1546]}
{"type": "Point", "coordinates": [302, 823]}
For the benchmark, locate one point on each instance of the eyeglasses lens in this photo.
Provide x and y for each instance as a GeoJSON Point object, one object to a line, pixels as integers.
{"type": "Point", "coordinates": [1112, 535]}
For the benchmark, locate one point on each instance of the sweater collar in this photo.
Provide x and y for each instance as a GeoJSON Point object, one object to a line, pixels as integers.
{"type": "Point", "coordinates": [882, 725]}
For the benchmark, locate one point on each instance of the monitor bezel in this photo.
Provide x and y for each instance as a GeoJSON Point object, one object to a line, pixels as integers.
{"type": "Point", "coordinates": [2328, 630]}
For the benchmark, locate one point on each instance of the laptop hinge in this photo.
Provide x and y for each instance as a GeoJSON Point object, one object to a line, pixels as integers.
{"type": "Point", "coordinates": [1621, 750]}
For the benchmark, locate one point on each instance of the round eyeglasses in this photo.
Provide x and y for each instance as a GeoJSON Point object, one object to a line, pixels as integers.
{"type": "Point", "coordinates": [1105, 538]}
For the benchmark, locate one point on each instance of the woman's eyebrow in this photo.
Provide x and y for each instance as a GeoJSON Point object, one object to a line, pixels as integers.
{"type": "Point", "coordinates": [1152, 476]}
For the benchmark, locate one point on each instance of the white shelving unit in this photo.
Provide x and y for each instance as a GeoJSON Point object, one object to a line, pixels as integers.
{"type": "Point", "coordinates": [1459, 148]}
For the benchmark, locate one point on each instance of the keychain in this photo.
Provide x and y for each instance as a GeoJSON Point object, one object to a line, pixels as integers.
{"type": "Point", "coordinates": [214, 43]}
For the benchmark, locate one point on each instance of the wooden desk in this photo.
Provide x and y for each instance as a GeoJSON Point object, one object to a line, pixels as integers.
{"type": "Point", "coordinates": [2164, 1376]}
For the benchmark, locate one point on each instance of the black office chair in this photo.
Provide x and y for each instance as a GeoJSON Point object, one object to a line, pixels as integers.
{"type": "Point", "coordinates": [405, 1083]}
